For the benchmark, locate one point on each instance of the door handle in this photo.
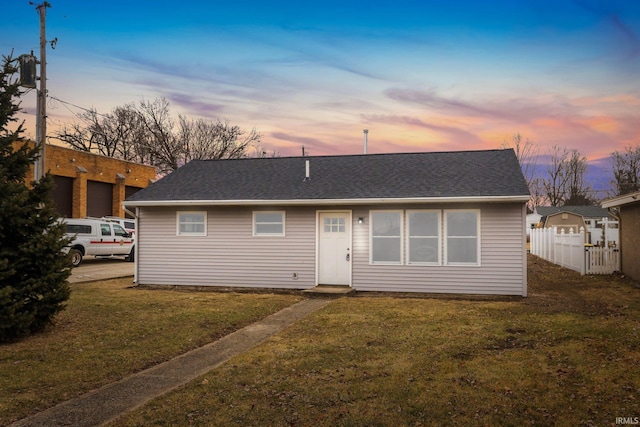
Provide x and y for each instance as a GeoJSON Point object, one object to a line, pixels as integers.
{"type": "Point", "coordinates": [348, 257]}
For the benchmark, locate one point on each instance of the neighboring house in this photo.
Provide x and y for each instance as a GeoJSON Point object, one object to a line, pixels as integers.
{"type": "Point", "coordinates": [589, 217]}
{"type": "Point", "coordinates": [450, 222]}
{"type": "Point", "coordinates": [533, 219]}
{"type": "Point", "coordinates": [628, 207]}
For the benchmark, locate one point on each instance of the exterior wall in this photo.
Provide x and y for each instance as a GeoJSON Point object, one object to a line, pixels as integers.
{"type": "Point", "coordinates": [572, 221]}
{"type": "Point", "coordinates": [230, 256]}
{"type": "Point", "coordinates": [82, 167]}
{"type": "Point", "coordinates": [630, 240]}
{"type": "Point", "coordinates": [502, 268]}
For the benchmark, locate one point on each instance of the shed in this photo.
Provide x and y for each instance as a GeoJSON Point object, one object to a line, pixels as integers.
{"type": "Point", "coordinates": [628, 207]}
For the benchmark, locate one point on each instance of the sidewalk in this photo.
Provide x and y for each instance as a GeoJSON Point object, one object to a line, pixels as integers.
{"type": "Point", "coordinates": [107, 403]}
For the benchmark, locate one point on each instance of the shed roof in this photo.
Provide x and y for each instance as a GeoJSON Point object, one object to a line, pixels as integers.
{"type": "Point", "coordinates": [585, 211]}
{"type": "Point", "coordinates": [463, 175]}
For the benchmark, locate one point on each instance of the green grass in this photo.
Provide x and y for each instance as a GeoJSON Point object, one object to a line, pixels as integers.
{"type": "Point", "coordinates": [569, 354]}
{"type": "Point", "coordinates": [109, 331]}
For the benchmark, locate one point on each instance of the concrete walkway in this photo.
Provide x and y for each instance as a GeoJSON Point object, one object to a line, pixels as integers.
{"type": "Point", "coordinates": [107, 403]}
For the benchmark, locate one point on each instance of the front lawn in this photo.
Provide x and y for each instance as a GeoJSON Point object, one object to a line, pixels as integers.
{"type": "Point", "coordinates": [569, 354]}
{"type": "Point", "coordinates": [110, 330]}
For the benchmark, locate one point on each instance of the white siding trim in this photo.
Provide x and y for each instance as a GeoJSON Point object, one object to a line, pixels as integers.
{"type": "Point", "coordinates": [325, 202]}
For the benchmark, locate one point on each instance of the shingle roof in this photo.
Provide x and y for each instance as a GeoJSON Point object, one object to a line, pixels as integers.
{"type": "Point", "coordinates": [585, 211]}
{"type": "Point", "coordinates": [490, 173]}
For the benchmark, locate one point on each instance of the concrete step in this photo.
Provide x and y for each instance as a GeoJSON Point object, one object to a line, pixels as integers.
{"type": "Point", "coordinates": [329, 290]}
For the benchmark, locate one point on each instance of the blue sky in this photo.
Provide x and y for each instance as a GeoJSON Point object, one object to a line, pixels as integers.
{"type": "Point", "coordinates": [420, 75]}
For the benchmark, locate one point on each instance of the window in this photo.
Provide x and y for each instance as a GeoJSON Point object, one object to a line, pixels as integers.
{"type": "Point", "coordinates": [78, 229]}
{"type": "Point", "coordinates": [424, 237]}
{"type": "Point", "coordinates": [334, 225]}
{"type": "Point", "coordinates": [268, 223]}
{"type": "Point", "coordinates": [463, 242]}
{"type": "Point", "coordinates": [386, 237]}
{"type": "Point", "coordinates": [105, 229]}
{"type": "Point", "coordinates": [192, 224]}
{"type": "Point", "coordinates": [119, 231]}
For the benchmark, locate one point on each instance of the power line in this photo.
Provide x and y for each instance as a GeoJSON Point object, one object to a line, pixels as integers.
{"type": "Point", "coordinates": [88, 110]}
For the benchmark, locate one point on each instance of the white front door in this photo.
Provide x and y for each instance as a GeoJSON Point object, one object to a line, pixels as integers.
{"type": "Point", "coordinates": [334, 248]}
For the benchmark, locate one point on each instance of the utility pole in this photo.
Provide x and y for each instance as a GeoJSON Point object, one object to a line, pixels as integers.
{"type": "Point", "coordinates": [41, 119]}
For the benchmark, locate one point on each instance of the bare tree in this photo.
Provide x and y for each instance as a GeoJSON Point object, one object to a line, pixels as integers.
{"type": "Point", "coordinates": [147, 133]}
{"type": "Point", "coordinates": [626, 170]}
{"type": "Point", "coordinates": [554, 184]}
{"type": "Point", "coordinates": [565, 182]}
{"type": "Point", "coordinates": [576, 191]}
{"type": "Point", "coordinates": [527, 152]}
{"type": "Point", "coordinates": [205, 139]}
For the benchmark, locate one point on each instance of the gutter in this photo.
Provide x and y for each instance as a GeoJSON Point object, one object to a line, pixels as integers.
{"type": "Point", "coordinates": [625, 199]}
{"type": "Point", "coordinates": [135, 252]}
{"type": "Point", "coordinates": [317, 202]}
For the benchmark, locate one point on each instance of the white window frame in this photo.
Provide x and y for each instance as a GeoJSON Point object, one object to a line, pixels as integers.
{"type": "Point", "coordinates": [254, 223]}
{"type": "Point", "coordinates": [446, 237]}
{"type": "Point", "coordinates": [371, 237]}
{"type": "Point", "coordinates": [438, 212]}
{"type": "Point", "coordinates": [187, 233]}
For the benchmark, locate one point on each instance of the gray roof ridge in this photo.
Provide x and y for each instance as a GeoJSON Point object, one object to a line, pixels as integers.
{"type": "Point", "coordinates": [360, 155]}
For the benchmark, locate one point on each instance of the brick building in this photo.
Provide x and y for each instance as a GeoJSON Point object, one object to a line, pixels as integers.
{"type": "Point", "coordinates": [93, 185]}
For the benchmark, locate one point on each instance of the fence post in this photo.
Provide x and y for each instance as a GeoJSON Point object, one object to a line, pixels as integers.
{"type": "Point", "coordinates": [558, 242]}
{"type": "Point", "coordinates": [583, 254]}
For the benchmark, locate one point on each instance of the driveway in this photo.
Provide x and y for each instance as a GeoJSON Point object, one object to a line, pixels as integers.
{"type": "Point", "coordinates": [100, 268]}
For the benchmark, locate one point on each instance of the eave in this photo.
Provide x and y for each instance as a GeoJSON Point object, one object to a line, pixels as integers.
{"type": "Point", "coordinates": [621, 200]}
{"type": "Point", "coordinates": [326, 202]}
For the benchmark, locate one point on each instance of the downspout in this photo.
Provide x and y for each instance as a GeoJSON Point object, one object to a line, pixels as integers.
{"type": "Point", "coordinates": [135, 246]}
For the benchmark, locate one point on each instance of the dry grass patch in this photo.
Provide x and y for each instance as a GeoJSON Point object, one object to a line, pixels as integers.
{"type": "Point", "coordinates": [110, 330]}
{"type": "Point", "coordinates": [567, 355]}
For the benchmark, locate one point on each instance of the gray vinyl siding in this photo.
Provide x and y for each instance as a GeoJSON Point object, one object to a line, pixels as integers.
{"type": "Point", "coordinates": [502, 268]}
{"type": "Point", "coordinates": [229, 255]}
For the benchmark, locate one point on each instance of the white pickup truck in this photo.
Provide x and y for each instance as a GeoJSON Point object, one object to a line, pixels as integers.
{"type": "Point", "coordinates": [98, 238]}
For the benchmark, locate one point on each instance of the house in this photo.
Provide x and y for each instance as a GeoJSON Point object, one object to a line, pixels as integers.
{"type": "Point", "coordinates": [628, 207]}
{"type": "Point", "coordinates": [444, 222]}
{"type": "Point", "coordinates": [589, 217]}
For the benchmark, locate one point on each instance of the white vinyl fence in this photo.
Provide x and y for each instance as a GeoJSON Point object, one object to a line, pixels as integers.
{"type": "Point", "coordinates": [568, 250]}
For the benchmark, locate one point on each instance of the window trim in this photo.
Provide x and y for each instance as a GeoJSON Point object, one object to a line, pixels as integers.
{"type": "Point", "coordinates": [445, 237]}
{"type": "Point", "coordinates": [191, 234]}
{"type": "Point", "coordinates": [438, 262]}
{"type": "Point", "coordinates": [254, 223]}
{"type": "Point", "coordinates": [371, 237]}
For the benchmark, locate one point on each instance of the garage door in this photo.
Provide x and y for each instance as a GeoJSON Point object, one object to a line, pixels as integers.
{"type": "Point", "coordinates": [63, 195]}
{"type": "Point", "coordinates": [99, 198]}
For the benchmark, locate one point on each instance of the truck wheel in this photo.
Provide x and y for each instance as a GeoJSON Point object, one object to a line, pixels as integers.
{"type": "Point", "coordinates": [132, 255]}
{"type": "Point", "coordinates": [76, 257]}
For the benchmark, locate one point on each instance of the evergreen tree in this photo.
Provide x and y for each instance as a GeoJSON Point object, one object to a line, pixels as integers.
{"type": "Point", "coordinates": [33, 269]}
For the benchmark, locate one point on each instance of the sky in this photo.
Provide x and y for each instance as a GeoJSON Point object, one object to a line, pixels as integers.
{"type": "Point", "coordinates": [420, 75]}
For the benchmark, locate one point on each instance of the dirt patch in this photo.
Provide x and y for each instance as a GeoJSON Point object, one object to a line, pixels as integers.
{"type": "Point", "coordinates": [553, 289]}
